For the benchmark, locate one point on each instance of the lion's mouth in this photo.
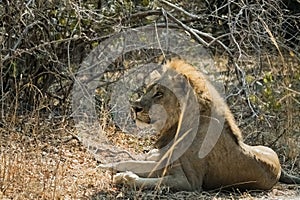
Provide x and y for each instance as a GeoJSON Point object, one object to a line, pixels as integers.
{"type": "Point", "coordinates": [154, 118]}
{"type": "Point", "coordinates": [154, 124]}
{"type": "Point", "coordinates": [140, 116]}
{"type": "Point", "coordinates": [143, 118]}
{"type": "Point", "coordinates": [142, 124]}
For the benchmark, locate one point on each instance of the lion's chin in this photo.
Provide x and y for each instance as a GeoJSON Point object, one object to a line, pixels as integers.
{"type": "Point", "coordinates": [155, 125]}
{"type": "Point", "coordinates": [142, 124]}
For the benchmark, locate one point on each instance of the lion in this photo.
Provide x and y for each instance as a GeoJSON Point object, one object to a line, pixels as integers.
{"type": "Point", "coordinates": [197, 149]}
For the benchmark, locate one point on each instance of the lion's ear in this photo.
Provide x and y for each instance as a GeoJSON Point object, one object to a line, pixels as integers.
{"type": "Point", "coordinates": [164, 68]}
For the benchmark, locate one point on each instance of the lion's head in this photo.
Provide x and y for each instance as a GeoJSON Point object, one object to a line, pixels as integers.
{"type": "Point", "coordinates": [161, 104]}
{"type": "Point", "coordinates": [157, 106]}
{"type": "Point", "coordinates": [145, 109]}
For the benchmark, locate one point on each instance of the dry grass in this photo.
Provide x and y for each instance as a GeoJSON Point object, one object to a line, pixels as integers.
{"type": "Point", "coordinates": [49, 163]}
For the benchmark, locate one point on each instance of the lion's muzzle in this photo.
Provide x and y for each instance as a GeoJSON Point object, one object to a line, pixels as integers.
{"type": "Point", "coordinates": [139, 114]}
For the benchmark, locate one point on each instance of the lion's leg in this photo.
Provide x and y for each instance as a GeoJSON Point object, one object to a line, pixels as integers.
{"type": "Point", "coordinates": [178, 181]}
{"type": "Point", "coordinates": [142, 167]}
{"type": "Point", "coordinates": [137, 167]}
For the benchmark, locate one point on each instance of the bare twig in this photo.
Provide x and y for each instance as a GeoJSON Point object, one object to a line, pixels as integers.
{"type": "Point", "coordinates": [278, 137]}
{"type": "Point", "coordinates": [142, 15]}
{"type": "Point", "coordinates": [181, 10]}
{"type": "Point", "coordinates": [190, 30]}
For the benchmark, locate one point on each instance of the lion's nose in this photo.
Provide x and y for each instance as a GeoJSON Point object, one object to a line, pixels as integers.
{"type": "Point", "coordinates": [137, 109]}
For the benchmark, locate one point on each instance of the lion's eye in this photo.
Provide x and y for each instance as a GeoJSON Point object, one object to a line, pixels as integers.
{"type": "Point", "coordinates": [158, 95]}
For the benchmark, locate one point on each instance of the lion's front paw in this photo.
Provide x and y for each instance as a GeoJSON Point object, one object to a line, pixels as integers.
{"type": "Point", "coordinates": [110, 166]}
{"type": "Point", "coordinates": [128, 178]}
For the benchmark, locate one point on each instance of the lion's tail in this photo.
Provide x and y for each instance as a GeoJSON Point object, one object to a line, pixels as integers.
{"type": "Point", "coordinates": [288, 178]}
